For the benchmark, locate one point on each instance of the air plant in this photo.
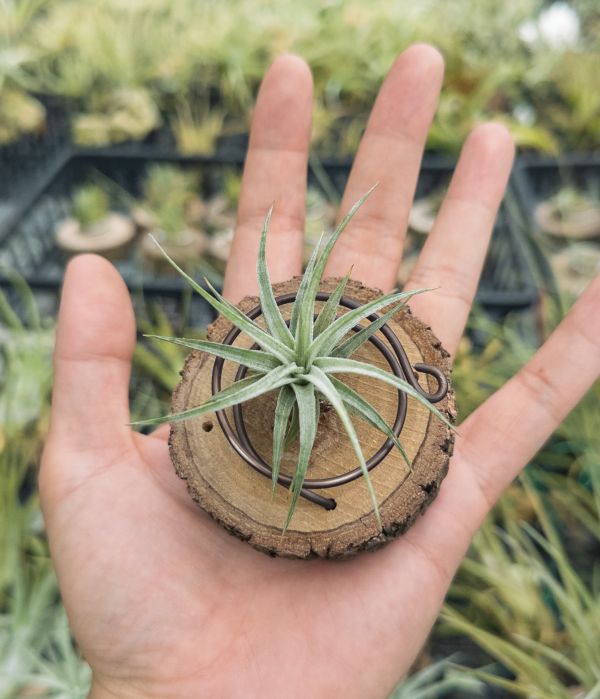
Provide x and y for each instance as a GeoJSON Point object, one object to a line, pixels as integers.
{"type": "Point", "coordinates": [300, 361]}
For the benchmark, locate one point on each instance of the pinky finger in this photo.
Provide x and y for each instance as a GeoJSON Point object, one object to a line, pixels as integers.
{"type": "Point", "coordinates": [501, 436]}
{"type": "Point", "coordinates": [506, 431]}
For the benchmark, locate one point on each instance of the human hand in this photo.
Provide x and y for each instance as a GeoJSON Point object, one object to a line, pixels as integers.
{"type": "Point", "coordinates": [163, 602]}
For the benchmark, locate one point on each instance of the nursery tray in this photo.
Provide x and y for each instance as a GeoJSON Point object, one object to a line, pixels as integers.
{"type": "Point", "coordinates": [27, 242]}
{"type": "Point", "coordinates": [535, 179]}
{"type": "Point", "coordinates": [538, 177]}
{"type": "Point", "coordinates": [508, 279]}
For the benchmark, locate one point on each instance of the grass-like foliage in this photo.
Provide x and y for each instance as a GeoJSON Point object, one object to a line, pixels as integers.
{"type": "Point", "coordinates": [300, 361]}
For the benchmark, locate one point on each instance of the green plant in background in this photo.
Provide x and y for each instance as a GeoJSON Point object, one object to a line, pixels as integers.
{"type": "Point", "coordinates": [526, 593]}
{"type": "Point", "coordinates": [161, 361]}
{"type": "Point", "coordinates": [37, 655]}
{"type": "Point", "coordinates": [166, 180]}
{"type": "Point", "coordinates": [300, 361]}
{"type": "Point", "coordinates": [197, 65]}
{"type": "Point", "coordinates": [571, 200]}
{"type": "Point", "coordinates": [107, 58]}
{"type": "Point", "coordinates": [89, 206]}
{"type": "Point", "coordinates": [529, 608]}
{"type": "Point", "coordinates": [577, 115]}
{"type": "Point", "coordinates": [232, 188]}
{"type": "Point", "coordinates": [20, 112]}
{"type": "Point", "coordinates": [440, 679]}
{"type": "Point", "coordinates": [120, 115]}
{"type": "Point", "coordinates": [171, 221]}
{"type": "Point", "coordinates": [196, 133]}
{"type": "Point", "coordinates": [168, 191]}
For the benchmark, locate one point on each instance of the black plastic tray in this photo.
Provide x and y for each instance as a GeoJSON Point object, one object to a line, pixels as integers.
{"type": "Point", "coordinates": [27, 241]}
{"type": "Point", "coordinates": [536, 178]}
{"type": "Point", "coordinates": [508, 279]}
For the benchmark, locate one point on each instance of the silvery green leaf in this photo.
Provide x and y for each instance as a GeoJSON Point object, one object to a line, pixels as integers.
{"type": "Point", "coordinates": [304, 333]}
{"type": "Point", "coordinates": [358, 339]}
{"type": "Point", "coordinates": [270, 309]}
{"type": "Point", "coordinates": [305, 400]}
{"type": "Point", "coordinates": [337, 365]}
{"type": "Point", "coordinates": [365, 410]}
{"type": "Point", "coordinates": [233, 314]}
{"type": "Point", "coordinates": [327, 340]}
{"type": "Point", "coordinates": [323, 384]}
{"type": "Point", "coordinates": [262, 338]}
{"type": "Point", "coordinates": [240, 391]}
{"type": "Point", "coordinates": [328, 247]}
{"type": "Point", "coordinates": [293, 429]}
{"type": "Point", "coordinates": [285, 403]}
{"type": "Point", "coordinates": [253, 359]}
{"type": "Point", "coordinates": [304, 305]}
{"type": "Point", "coordinates": [303, 287]}
{"type": "Point", "coordinates": [328, 312]}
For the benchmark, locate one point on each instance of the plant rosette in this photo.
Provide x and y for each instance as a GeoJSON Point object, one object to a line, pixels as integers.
{"type": "Point", "coordinates": [317, 418]}
{"type": "Point", "coordinates": [569, 214]}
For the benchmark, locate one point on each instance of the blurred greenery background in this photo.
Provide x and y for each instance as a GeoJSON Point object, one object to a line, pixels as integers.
{"type": "Point", "coordinates": [166, 88]}
{"type": "Point", "coordinates": [126, 68]}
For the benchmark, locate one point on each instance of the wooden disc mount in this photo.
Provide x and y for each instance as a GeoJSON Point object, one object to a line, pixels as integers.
{"type": "Point", "coordinates": [334, 518]}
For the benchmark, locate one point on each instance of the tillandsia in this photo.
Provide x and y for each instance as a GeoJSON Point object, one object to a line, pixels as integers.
{"type": "Point", "coordinates": [300, 360]}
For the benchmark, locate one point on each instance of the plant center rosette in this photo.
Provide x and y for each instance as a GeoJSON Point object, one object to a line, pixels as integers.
{"type": "Point", "coordinates": [316, 419]}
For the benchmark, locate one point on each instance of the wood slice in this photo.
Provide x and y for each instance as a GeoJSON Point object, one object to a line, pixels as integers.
{"type": "Point", "coordinates": [239, 498]}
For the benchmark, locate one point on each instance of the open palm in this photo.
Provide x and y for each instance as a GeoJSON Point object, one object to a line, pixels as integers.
{"type": "Point", "coordinates": [162, 601]}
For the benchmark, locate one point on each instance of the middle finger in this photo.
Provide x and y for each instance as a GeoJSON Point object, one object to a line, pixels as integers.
{"type": "Point", "coordinates": [390, 154]}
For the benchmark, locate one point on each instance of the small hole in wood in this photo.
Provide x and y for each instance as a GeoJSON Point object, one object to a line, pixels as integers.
{"type": "Point", "coordinates": [207, 426]}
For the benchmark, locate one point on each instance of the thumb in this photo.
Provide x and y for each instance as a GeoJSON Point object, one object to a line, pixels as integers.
{"type": "Point", "coordinates": [95, 338]}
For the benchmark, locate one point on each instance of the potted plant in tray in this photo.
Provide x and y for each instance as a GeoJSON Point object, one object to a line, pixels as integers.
{"type": "Point", "coordinates": [300, 428]}
{"type": "Point", "coordinates": [570, 213]}
{"type": "Point", "coordinates": [167, 214]}
{"type": "Point", "coordinates": [92, 226]}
